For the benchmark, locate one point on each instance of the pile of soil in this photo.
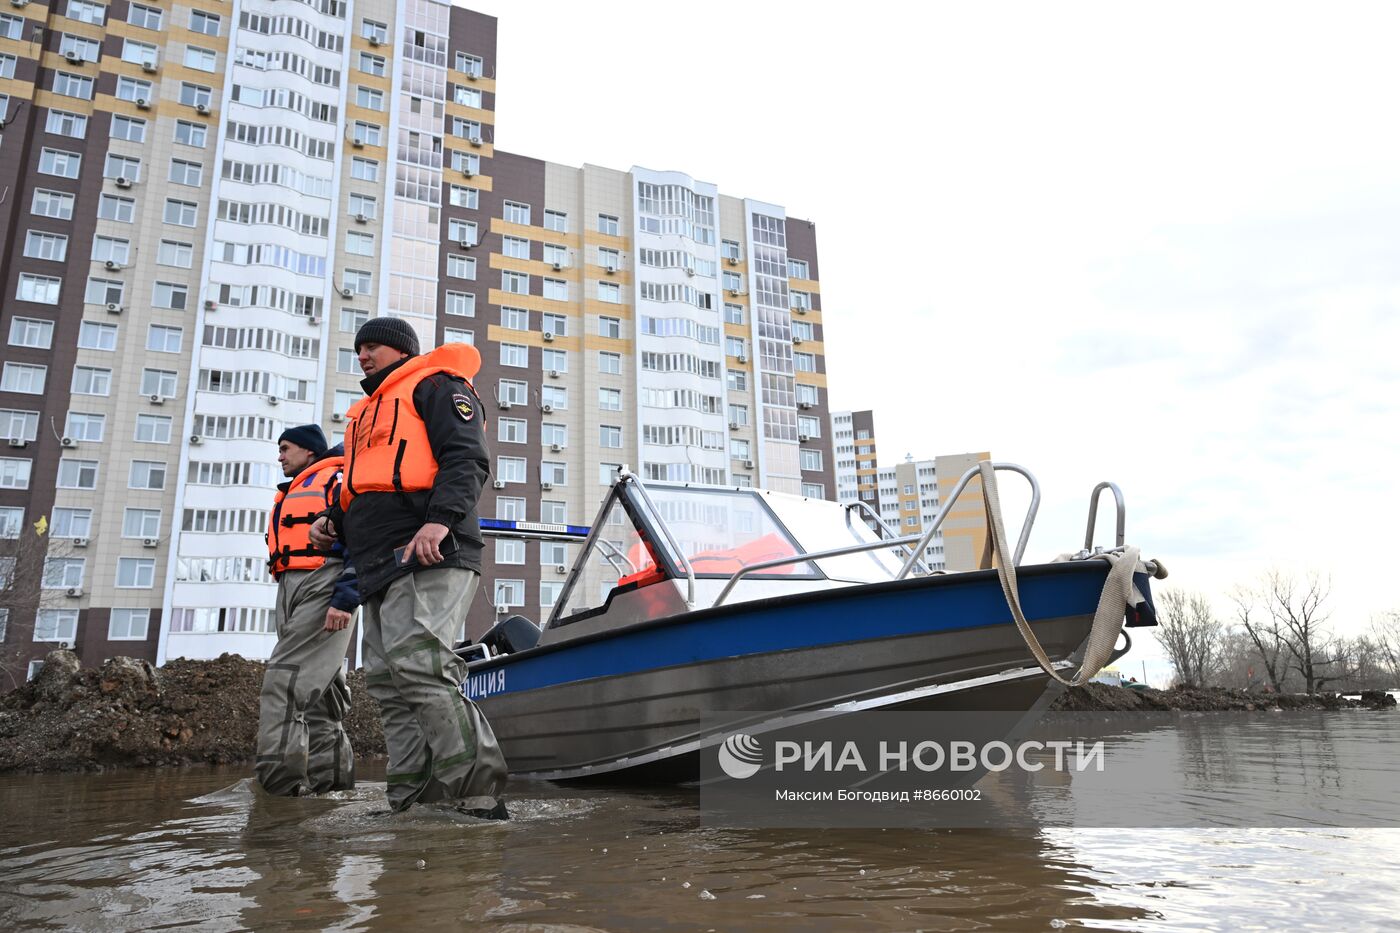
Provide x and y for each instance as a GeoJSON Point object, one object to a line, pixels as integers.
{"type": "Point", "coordinates": [128, 713]}
{"type": "Point", "coordinates": [1103, 697]}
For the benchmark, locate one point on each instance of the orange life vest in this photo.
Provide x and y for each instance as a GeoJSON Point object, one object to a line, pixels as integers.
{"type": "Point", "coordinates": [386, 441]}
{"type": "Point", "coordinates": [309, 494]}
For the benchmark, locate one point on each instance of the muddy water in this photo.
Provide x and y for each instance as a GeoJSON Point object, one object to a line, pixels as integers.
{"type": "Point", "coordinates": [203, 849]}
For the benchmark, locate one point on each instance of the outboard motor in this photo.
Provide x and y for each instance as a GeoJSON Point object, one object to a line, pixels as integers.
{"type": "Point", "coordinates": [511, 634]}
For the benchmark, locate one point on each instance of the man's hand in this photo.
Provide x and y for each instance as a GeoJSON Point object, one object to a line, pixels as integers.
{"type": "Point", "coordinates": [322, 533]}
{"type": "Point", "coordinates": [336, 619]}
{"type": "Point", "coordinates": [424, 545]}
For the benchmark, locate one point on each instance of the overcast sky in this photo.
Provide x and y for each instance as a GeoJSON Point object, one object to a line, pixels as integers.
{"type": "Point", "coordinates": [1156, 245]}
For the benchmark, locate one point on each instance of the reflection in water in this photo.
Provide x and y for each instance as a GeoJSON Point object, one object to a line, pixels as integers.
{"type": "Point", "coordinates": [205, 848]}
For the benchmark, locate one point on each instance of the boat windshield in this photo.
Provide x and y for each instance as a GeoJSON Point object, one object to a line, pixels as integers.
{"type": "Point", "coordinates": [720, 531]}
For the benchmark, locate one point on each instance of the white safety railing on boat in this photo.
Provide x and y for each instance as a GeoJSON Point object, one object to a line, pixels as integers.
{"type": "Point", "coordinates": [1094, 514]}
{"type": "Point", "coordinates": [881, 527]}
{"type": "Point", "coordinates": [921, 539]}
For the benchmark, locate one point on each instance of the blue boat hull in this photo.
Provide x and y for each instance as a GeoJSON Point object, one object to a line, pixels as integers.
{"type": "Point", "coordinates": [630, 704]}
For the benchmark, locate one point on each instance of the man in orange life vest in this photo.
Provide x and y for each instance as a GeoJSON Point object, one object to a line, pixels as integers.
{"type": "Point", "coordinates": [416, 462]}
{"type": "Point", "coordinates": [302, 746]}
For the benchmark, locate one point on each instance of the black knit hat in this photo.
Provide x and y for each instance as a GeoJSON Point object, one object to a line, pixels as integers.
{"type": "Point", "coordinates": [389, 331]}
{"type": "Point", "coordinates": [307, 436]}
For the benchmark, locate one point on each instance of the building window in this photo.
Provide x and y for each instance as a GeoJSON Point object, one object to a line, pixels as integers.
{"type": "Point", "coordinates": [610, 292]}
{"type": "Point", "coordinates": [159, 382]}
{"type": "Point", "coordinates": [376, 33]}
{"type": "Point", "coordinates": [556, 397]}
{"type": "Point", "coordinates": [14, 473]}
{"type": "Point", "coordinates": [512, 430]}
{"type": "Point", "coordinates": [170, 295]}
{"type": "Point", "coordinates": [554, 361]}
{"type": "Point", "coordinates": [558, 221]}
{"type": "Point", "coordinates": [206, 23]}
{"type": "Point", "coordinates": [195, 95]}
{"type": "Point", "coordinates": [186, 173]}
{"type": "Point", "coordinates": [372, 64]}
{"type": "Point", "coordinates": [141, 523]}
{"type": "Point", "coordinates": [24, 378]}
{"type": "Point", "coordinates": [513, 392]}
{"type": "Point", "coordinates": [804, 362]}
{"type": "Point", "coordinates": [61, 573]}
{"type": "Point", "coordinates": [513, 354]}
{"type": "Point", "coordinates": [737, 380]}
{"type": "Point", "coordinates": [509, 593]}
{"type": "Point", "coordinates": [183, 213]}
{"type": "Point", "coordinates": [128, 624]}
{"type": "Point", "coordinates": [369, 98]}
{"type": "Point", "coordinates": [77, 474]}
{"type": "Point", "coordinates": [53, 625]}
{"type": "Point", "coordinates": [733, 314]}
{"type": "Point", "coordinates": [510, 469]}
{"type": "Point", "coordinates": [364, 169]}
{"type": "Point", "coordinates": [65, 124]}
{"type": "Point", "coordinates": [556, 289]}
{"type": "Point", "coordinates": [359, 244]}
{"type": "Point", "coordinates": [510, 508]}
{"type": "Point", "coordinates": [469, 64]}
{"type": "Point", "coordinates": [552, 471]}
{"type": "Point", "coordinates": [60, 163]}
{"type": "Point", "coordinates": [556, 324]}
{"type": "Point", "coordinates": [461, 267]}
{"type": "Point", "coordinates": [463, 233]}
{"type": "Point", "coordinates": [104, 291]}
{"type": "Point", "coordinates": [811, 459]}
{"type": "Point", "coordinates": [71, 523]}
{"type": "Point", "coordinates": [608, 224]}
{"type": "Point", "coordinates": [191, 134]}
{"type": "Point", "coordinates": [11, 521]}
{"type": "Point", "coordinates": [729, 249]}
{"type": "Point", "coordinates": [515, 247]}
{"type": "Point", "coordinates": [462, 304]}
{"type": "Point", "coordinates": [610, 363]}
{"type": "Point", "coordinates": [85, 426]}
{"type": "Point", "coordinates": [31, 332]}
{"type": "Point", "coordinates": [94, 336]}
{"type": "Point", "coordinates": [739, 414]}
{"type": "Point", "coordinates": [144, 16]}
{"type": "Point", "coordinates": [153, 429]}
{"type": "Point", "coordinates": [552, 512]}
{"type": "Point", "coordinates": [609, 327]}
{"type": "Point", "coordinates": [516, 213]}
{"type": "Point", "coordinates": [610, 399]}
{"type": "Point", "coordinates": [510, 551]}
{"type": "Point", "coordinates": [462, 196]}
{"type": "Point", "coordinates": [607, 473]}
{"type": "Point", "coordinates": [70, 85]}
{"type": "Point", "coordinates": [201, 59]}
{"type": "Point", "coordinates": [146, 474]}
{"type": "Point", "coordinates": [91, 380]}
{"type": "Point", "coordinates": [85, 12]}
{"type": "Point", "coordinates": [174, 253]}
{"type": "Point", "coordinates": [135, 572]}
{"type": "Point", "coordinates": [609, 435]}
{"type": "Point", "coordinates": [366, 134]}
{"type": "Point", "coordinates": [515, 283]}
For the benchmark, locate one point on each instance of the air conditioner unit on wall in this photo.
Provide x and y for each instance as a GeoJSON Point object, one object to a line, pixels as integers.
{"type": "Point", "coordinates": [548, 335]}
{"type": "Point", "coordinates": [72, 58]}
{"type": "Point", "coordinates": [68, 442]}
{"type": "Point", "coordinates": [122, 181]}
{"type": "Point", "coordinates": [202, 109]}
{"type": "Point", "coordinates": [562, 568]}
{"type": "Point", "coordinates": [498, 484]}
{"type": "Point", "coordinates": [80, 542]}
{"type": "Point", "coordinates": [142, 103]}
{"type": "Point", "coordinates": [375, 41]}
{"type": "Point", "coordinates": [75, 591]}
{"type": "Point", "coordinates": [150, 542]}
{"type": "Point", "coordinates": [157, 399]}
{"type": "Point", "coordinates": [546, 485]}
{"type": "Point", "coordinates": [148, 67]}
{"type": "Point", "coordinates": [113, 308]}
{"type": "Point", "coordinates": [732, 260]}
{"type": "Point", "coordinates": [347, 293]}
{"type": "Point", "coordinates": [211, 305]}
{"type": "Point", "coordinates": [337, 417]}
{"type": "Point", "coordinates": [546, 408]}
{"type": "Point", "coordinates": [196, 440]}
{"type": "Point", "coordinates": [18, 442]}
{"type": "Point", "coordinates": [555, 448]}
{"type": "Point", "coordinates": [111, 265]}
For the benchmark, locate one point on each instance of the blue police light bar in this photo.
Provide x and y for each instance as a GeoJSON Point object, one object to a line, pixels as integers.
{"type": "Point", "coordinates": [502, 527]}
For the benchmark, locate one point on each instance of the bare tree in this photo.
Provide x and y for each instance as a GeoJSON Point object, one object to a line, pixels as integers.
{"type": "Point", "coordinates": [23, 596]}
{"type": "Point", "coordinates": [1263, 634]}
{"type": "Point", "coordinates": [1191, 635]}
{"type": "Point", "coordinates": [1298, 614]}
{"type": "Point", "coordinates": [1385, 634]}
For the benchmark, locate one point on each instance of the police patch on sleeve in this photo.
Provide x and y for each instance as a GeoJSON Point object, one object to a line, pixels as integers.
{"type": "Point", "coordinates": [463, 406]}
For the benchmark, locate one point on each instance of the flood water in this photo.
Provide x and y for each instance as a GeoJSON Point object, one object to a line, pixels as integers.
{"type": "Point", "coordinates": [204, 849]}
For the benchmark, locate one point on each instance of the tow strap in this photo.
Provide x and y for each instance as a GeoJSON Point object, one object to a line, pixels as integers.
{"type": "Point", "coordinates": [1119, 595]}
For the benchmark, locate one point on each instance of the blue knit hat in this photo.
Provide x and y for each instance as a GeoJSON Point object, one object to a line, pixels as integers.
{"type": "Point", "coordinates": [306, 436]}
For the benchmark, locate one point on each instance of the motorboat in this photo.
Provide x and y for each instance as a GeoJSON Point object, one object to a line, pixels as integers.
{"type": "Point", "coordinates": [690, 606]}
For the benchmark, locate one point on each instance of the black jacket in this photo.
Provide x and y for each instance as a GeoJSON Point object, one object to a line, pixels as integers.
{"type": "Point", "coordinates": [380, 522]}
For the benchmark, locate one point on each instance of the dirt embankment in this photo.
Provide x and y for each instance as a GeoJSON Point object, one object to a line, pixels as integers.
{"type": "Point", "coordinates": [130, 714]}
{"type": "Point", "coordinates": [1102, 697]}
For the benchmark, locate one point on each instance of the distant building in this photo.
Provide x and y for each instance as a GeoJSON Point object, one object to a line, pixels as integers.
{"type": "Point", "coordinates": [907, 496]}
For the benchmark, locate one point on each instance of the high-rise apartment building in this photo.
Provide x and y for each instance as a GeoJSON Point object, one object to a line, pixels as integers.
{"type": "Point", "coordinates": [203, 202]}
{"type": "Point", "coordinates": [907, 496]}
